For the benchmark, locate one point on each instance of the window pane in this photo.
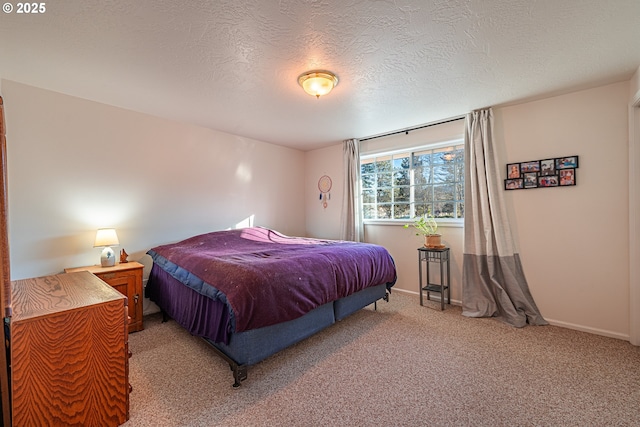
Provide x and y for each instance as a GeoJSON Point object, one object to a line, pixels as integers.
{"type": "Point", "coordinates": [384, 195]}
{"type": "Point", "coordinates": [384, 211]}
{"type": "Point", "coordinates": [369, 211]}
{"type": "Point", "coordinates": [422, 159]}
{"type": "Point", "coordinates": [423, 194]}
{"type": "Point", "coordinates": [402, 210]}
{"type": "Point", "coordinates": [368, 196]}
{"type": "Point", "coordinates": [401, 178]}
{"type": "Point", "coordinates": [422, 209]}
{"type": "Point", "coordinates": [368, 181]}
{"type": "Point", "coordinates": [460, 172]}
{"type": "Point", "coordinates": [459, 153]}
{"type": "Point", "coordinates": [460, 209]}
{"type": "Point", "coordinates": [402, 161]}
{"type": "Point", "coordinates": [444, 155]}
{"type": "Point", "coordinates": [443, 192]}
{"type": "Point", "coordinates": [460, 191]}
{"type": "Point", "coordinates": [383, 164]}
{"type": "Point", "coordinates": [367, 166]}
{"type": "Point", "coordinates": [401, 194]}
{"type": "Point", "coordinates": [443, 209]}
{"type": "Point", "coordinates": [444, 173]}
{"type": "Point", "coordinates": [422, 175]}
{"type": "Point", "coordinates": [384, 180]}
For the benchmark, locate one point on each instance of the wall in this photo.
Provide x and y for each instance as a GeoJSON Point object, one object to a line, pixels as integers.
{"type": "Point", "coordinates": [324, 222]}
{"type": "Point", "coordinates": [573, 241]}
{"type": "Point", "coordinates": [76, 165]}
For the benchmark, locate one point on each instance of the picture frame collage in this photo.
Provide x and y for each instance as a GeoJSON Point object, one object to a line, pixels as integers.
{"type": "Point", "coordinates": [553, 172]}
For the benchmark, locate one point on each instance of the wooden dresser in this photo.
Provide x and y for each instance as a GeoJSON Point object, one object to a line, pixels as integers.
{"type": "Point", "coordinates": [69, 352]}
{"type": "Point", "coordinates": [126, 278]}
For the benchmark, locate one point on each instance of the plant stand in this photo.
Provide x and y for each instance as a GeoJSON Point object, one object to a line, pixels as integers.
{"type": "Point", "coordinates": [440, 256]}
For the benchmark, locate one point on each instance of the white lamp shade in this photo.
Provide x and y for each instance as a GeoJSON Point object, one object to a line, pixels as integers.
{"type": "Point", "coordinates": [106, 237]}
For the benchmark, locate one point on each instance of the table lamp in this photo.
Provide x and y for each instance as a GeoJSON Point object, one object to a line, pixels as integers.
{"type": "Point", "coordinates": [106, 237]}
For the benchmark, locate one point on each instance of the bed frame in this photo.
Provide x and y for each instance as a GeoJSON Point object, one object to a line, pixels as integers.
{"type": "Point", "coordinates": [250, 347]}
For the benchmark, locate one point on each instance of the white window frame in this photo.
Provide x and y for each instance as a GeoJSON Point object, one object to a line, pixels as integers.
{"type": "Point", "coordinates": [442, 222]}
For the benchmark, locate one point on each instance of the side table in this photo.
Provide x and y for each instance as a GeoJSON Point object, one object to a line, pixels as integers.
{"type": "Point", "coordinates": [441, 257]}
{"type": "Point", "coordinates": [126, 278]}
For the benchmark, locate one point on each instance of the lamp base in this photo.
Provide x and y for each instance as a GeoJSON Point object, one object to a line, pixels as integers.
{"type": "Point", "coordinates": [107, 257]}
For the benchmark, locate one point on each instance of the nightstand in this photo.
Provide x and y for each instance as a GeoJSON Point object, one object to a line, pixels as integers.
{"type": "Point", "coordinates": [125, 278]}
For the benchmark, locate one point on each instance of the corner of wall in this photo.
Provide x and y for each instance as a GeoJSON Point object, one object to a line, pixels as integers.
{"type": "Point", "coordinates": [634, 208]}
{"type": "Point", "coordinates": [634, 86]}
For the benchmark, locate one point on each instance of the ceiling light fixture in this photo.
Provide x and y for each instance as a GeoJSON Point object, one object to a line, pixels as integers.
{"type": "Point", "coordinates": [318, 82]}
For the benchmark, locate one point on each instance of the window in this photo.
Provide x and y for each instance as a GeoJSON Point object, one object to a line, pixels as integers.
{"type": "Point", "coordinates": [402, 185]}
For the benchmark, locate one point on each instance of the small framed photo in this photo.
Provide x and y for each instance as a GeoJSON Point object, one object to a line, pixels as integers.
{"type": "Point", "coordinates": [530, 180]}
{"type": "Point", "coordinates": [548, 181]}
{"type": "Point", "coordinates": [513, 170]}
{"type": "Point", "coordinates": [548, 167]}
{"type": "Point", "coordinates": [567, 162]}
{"type": "Point", "coordinates": [530, 166]}
{"type": "Point", "coordinates": [567, 177]}
{"type": "Point", "coordinates": [513, 184]}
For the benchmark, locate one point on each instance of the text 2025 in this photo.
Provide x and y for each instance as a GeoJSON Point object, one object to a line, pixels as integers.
{"type": "Point", "coordinates": [31, 8]}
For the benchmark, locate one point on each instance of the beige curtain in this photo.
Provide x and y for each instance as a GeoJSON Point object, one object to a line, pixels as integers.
{"type": "Point", "coordinates": [351, 224]}
{"type": "Point", "coordinates": [493, 281]}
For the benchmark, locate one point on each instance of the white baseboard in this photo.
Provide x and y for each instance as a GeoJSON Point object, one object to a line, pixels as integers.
{"type": "Point", "coordinates": [595, 331]}
{"type": "Point", "coordinates": [588, 329]}
{"type": "Point", "coordinates": [434, 297]}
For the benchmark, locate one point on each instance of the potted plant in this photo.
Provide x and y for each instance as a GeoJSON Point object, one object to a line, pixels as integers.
{"type": "Point", "coordinates": [427, 226]}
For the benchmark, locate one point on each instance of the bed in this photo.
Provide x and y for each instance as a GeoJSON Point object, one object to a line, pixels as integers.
{"type": "Point", "coordinates": [252, 292]}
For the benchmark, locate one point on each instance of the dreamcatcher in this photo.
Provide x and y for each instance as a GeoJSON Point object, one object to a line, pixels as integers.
{"type": "Point", "coordinates": [324, 185]}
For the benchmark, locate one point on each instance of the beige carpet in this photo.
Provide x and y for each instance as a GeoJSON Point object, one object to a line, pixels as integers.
{"type": "Point", "coordinates": [402, 365]}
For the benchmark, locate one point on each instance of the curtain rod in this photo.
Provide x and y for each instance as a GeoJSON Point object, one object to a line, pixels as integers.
{"type": "Point", "coordinates": [415, 128]}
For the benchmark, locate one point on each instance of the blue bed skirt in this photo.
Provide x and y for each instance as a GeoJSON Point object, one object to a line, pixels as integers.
{"type": "Point", "coordinates": [251, 347]}
{"type": "Point", "coordinates": [201, 316]}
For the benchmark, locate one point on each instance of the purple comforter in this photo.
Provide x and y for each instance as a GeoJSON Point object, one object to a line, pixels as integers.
{"type": "Point", "coordinates": [269, 278]}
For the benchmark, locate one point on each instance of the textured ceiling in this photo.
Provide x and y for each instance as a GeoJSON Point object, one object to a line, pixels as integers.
{"type": "Point", "coordinates": [232, 65]}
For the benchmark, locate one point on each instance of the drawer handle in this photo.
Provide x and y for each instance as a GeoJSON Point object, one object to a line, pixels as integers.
{"type": "Point", "coordinates": [136, 297]}
{"type": "Point", "coordinates": [109, 275]}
